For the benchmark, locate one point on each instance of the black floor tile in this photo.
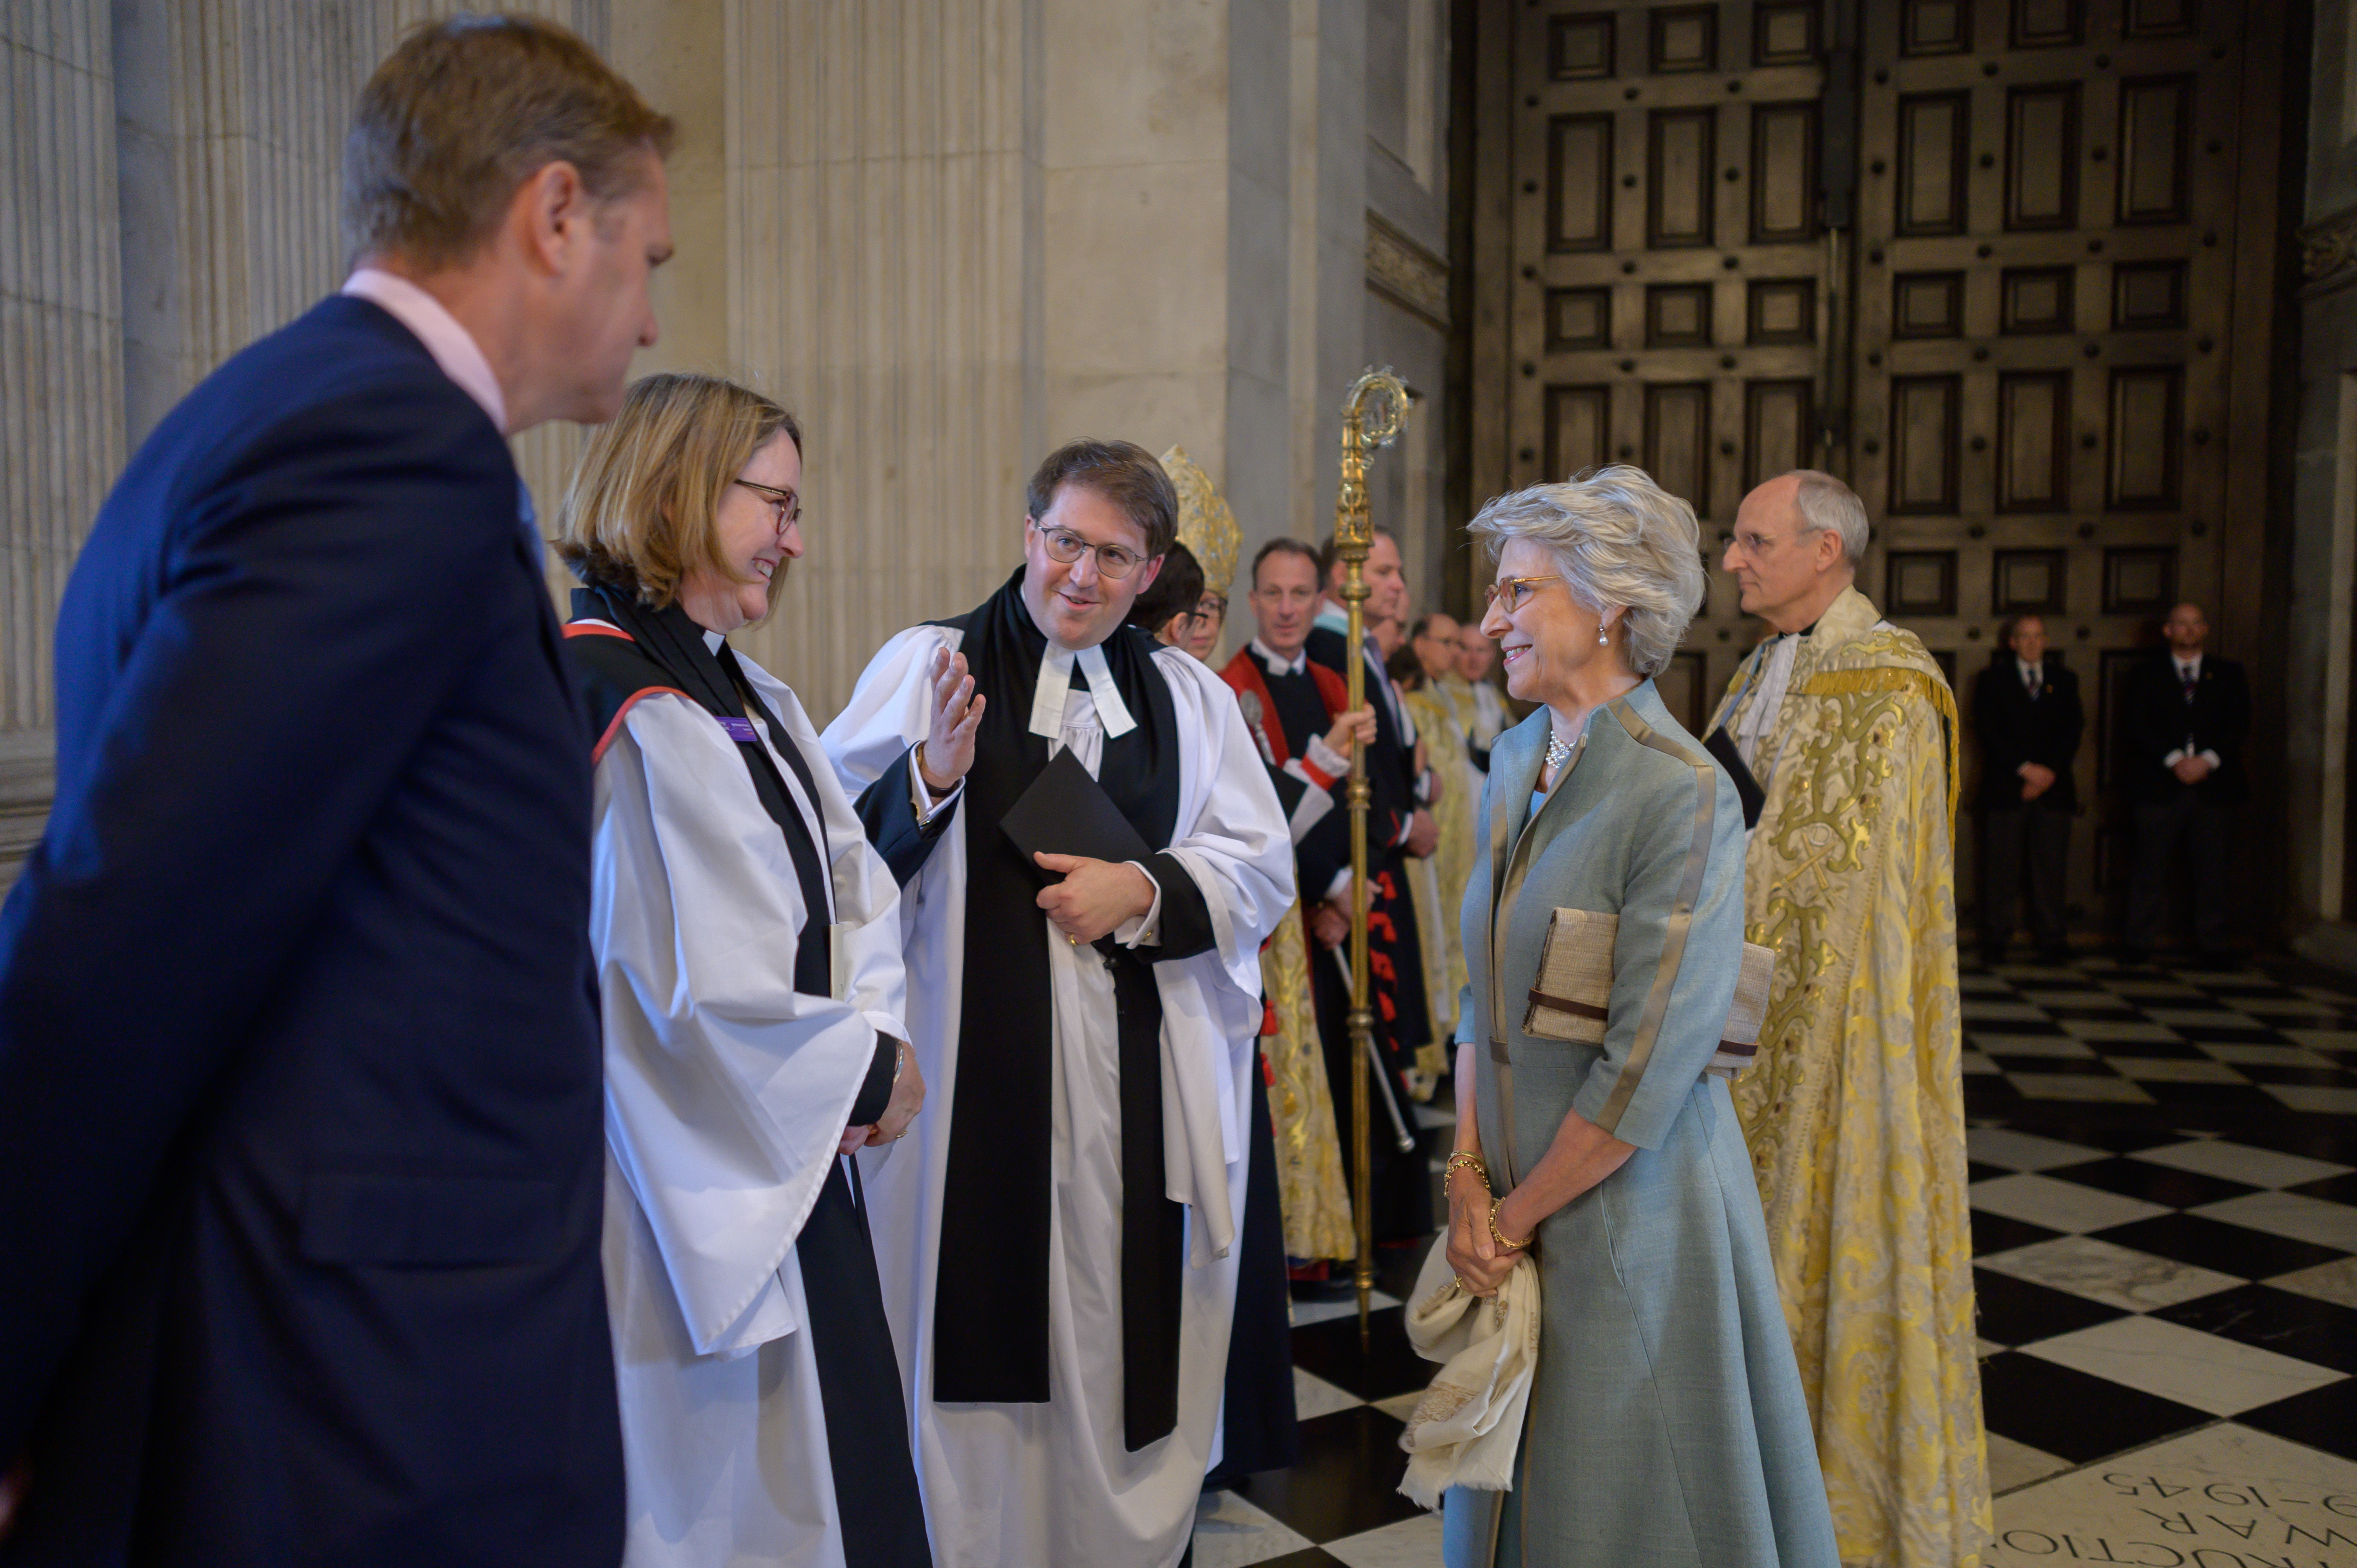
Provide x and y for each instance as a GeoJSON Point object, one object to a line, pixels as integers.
{"type": "Point", "coordinates": [1975, 1171]}
{"type": "Point", "coordinates": [1308, 1557]}
{"type": "Point", "coordinates": [2082, 1067]}
{"type": "Point", "coordinates": [2339, 1188]}
{"type": "Point", "coordinates": [2214, 1244]}
{"type": "Point", "coordinates": [2017, 1312]}
{"type": "Point", "coordinates": [2329, 1077]}
{"type": "Point", "coordinates": [2322, 1418]}
{"type": "Point", "coordinates": [2071, 1413]}
{"type": "Point", "coordinates": [2331, 1138]}
{"type": "Point", "coordinates": [1347, 1481]}
{"type": "Point", "coordinates": [2232, 1033]}
{"type": "Point", "coordinates": [2282, 1321]}
{"type": "Point", "coordinates": [1331, 1350]}
{"type": "Point", "coordinates": [2154, 1183]}
{"type": "Point", "coordinates": [2182, 1050]}
{"type": "Point", "coordinates": [2214, 1098]}
{"type": "Point", "coordinates": [1994, 1233]}
{"type": "Point", "coordinates": [2116, 1129]}
{"type": "Point", "coordinates": [1988, 1094]}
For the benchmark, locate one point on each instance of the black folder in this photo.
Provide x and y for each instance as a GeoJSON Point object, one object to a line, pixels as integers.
{"type": "Point", "coordinates": [1721, 748]}
{"type": "Point", "coordinates": [1065, 812]}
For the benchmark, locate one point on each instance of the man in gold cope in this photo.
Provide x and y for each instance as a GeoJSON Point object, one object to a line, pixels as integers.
{"type": "Point", "coordinates": [1854, 1111]}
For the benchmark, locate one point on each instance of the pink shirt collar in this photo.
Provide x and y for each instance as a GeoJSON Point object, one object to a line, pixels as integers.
{"type": "Point", "coordinates": [453, 346]}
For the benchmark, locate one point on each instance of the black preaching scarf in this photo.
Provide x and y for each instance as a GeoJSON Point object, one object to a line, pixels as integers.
{"type": "Point", "coordinates": [875, 1477]}
{"type": "Point", "coordinates": [990, 1313]}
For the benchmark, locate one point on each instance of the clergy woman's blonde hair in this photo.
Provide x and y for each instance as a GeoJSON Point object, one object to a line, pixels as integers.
{"type": "Point", "coordinates": [1619, 540]}
{"type": "Point", "coordinates": [640, 513]}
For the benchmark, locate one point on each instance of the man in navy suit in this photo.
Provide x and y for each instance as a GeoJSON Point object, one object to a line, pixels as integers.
{"type": "Point", "coordinates": [301, 1154]}
{"type": "Point", "coordinates": [2027, 714]}
{"type": "Point", "coordinates": [2185, 716]}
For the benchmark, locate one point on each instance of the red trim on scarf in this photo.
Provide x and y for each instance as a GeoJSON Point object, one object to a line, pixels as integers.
{"type": "Point", "coordinates": [597, 752]}
{"type": "Point", "coordinates": [584, 629]}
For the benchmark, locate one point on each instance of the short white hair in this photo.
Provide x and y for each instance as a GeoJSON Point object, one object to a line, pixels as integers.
{"type": "Point", "coordinates": [1619, 539]}
{"type": "Point", "coordinates": [1824, 502]}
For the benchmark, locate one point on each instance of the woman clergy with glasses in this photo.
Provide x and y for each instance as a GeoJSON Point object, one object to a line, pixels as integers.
{"type": "Point", "coordinates": [747, 940]}
{"type": "Point", "coordinates": [1666, 1424]}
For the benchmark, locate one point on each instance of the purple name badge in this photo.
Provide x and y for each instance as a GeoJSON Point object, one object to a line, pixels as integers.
{"type": "Point", "coordinates": [739, 730]}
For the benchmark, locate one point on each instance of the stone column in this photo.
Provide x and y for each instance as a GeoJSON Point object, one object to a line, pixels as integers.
{"type": "Point", "coordinates": [60, 363]}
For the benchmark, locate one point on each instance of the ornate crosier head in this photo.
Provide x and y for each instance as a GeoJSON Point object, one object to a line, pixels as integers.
{"type": "Point", "coordinates": [1373, 412]}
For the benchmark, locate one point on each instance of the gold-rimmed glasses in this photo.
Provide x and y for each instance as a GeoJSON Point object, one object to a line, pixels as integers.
{"type": "Point", "coordinates": [785, 507]}
{"type": "Point", "coordinates": [1515, 591]}
{"type": "Point", "coordinates": [1114, 562]}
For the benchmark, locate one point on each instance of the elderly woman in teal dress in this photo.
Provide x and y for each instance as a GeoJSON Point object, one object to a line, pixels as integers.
{"type": "Point", "coordinates": [1666, 1423]}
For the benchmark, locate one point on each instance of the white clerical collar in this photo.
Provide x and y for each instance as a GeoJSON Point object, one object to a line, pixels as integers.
{"type": "Point", "coordinates": [1276, 663]}
{"type": "Point", "coordinates": [453, 346]}
{"type": "Point", "coordinates": [713, 640]}
{"type": "Point", "coordinates": [1056, 684]}
{"type": "Point", "coordinates": [2028, 671]}
{"type": "Point", "coordinates": [2188, 668]}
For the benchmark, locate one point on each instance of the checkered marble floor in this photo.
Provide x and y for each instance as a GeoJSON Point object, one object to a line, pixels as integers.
{"type": "Point", "coordinates": [2164, 1196]}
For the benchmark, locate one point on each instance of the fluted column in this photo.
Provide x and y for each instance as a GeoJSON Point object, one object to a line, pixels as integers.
{"type": "Point", "coordinates": [875, 212]}
{"type": "Point", "coordinates": [60, 359]}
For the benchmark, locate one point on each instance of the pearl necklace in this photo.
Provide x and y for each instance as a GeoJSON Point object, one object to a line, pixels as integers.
{"type": "Point", "coordinates": [1559, 750]}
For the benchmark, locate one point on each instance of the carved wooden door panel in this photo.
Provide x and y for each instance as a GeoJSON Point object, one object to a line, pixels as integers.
{"type": "Point", "coordinates": [2048, 212]}
{"type": "Point", "coordinates": [1666, 299]}
{"type": "Point", "coordinates": [2039, 351]}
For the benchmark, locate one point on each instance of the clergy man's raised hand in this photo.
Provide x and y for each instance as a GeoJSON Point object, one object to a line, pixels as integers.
{"type": "Point", "coordinates": [1096, 898]}
{"type": "Point", "coordinates": [947, 750]}
{"type": "Point", "coordinates": [1356, 727]}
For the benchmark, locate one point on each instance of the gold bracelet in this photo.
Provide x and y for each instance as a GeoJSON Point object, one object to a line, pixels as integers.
{"type": "Point", "coordinates": [1466, 1159]}
{"type": "Point", "coordinates": [1499, 1236]}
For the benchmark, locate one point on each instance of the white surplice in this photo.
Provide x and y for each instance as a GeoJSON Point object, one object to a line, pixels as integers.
{"type": "Point", "coordinates": [727, 1093]}
{"type": "Point", "coordinates": [1019, 1486]}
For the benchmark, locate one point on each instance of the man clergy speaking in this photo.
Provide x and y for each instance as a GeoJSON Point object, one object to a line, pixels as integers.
{"type": "Point", "coordinates": [1855, 1111]}
{"type": "Point", "coordinates": [1057, 1240]}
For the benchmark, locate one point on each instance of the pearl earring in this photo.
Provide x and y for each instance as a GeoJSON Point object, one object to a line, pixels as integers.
{"type": "Point", "coordinates": [1603, 638]}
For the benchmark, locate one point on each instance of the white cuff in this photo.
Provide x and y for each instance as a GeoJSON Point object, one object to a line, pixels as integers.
{"type": "Point", "coordinates": [2024, 769]}
{"type": "Point", "coordinates": [1140, 933]}
{"type": "Point", "coordinates": [921, 799]}
{"type": "Point", "coordinates": [2173, 758]}
{"type": "Point", "coordinates": [2211, 758]}
{"type": "Point", "coordinates": [1340, 886]}
{"type": "Point", "coordinates": [1325, 759]}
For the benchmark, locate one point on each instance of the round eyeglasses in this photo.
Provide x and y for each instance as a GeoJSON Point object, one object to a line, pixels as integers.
{"type": "Point", "coordinates": [1113, 561]}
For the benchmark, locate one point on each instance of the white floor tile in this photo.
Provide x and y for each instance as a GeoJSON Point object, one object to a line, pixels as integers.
{"type": "Point", "coordinates": [1983, 985]}
{"type": "Point", "coordinates": [2002, 1045]}
{"type": "Point", "coordinates": [2285, 1007]}
{"type": "Point", "coordinates": [1313, 1396]}
{"type": "Point", "coordinates": [1436, 1112]}
{"type": "Point", "coordinates": [1308, 1311]}
{"type": "Point", "coordinates": [2017, 972]}
{"type": "Point", "coordinates": [2024, 1151]}
{"type": "Point", "coordinates": [2317, 1097]}
{"type": "Point", "coordinates": [2059, 1205]}
{"type": "Point", "coordinates": [2155, 990]}
{"type": "Point", "coordinates": [1399, 1407]}
{"type": "Point", "coordinates": [1410, 1543]}
{"type": "Point", "coordinates": [2129, 1029]}
{"type": "Point", "coordinates": [1974, 1062]}
{"type": "Point", "coordinates": [2265, 1055]}
{"type": "Point", "coordinates": [2175, 1070]}
{"type": "Point", "coordinates": [2015, 1464]}
{"type": "Point", "coordinates": [1232, 1533]}
{"type": "Point", "coordinates": [1985, 1348]}
{"type": "Point", "coordinates": [1979, 1012]}
{"type": "Point", "coordinates": [2106, 1271]}
{"type": "Point", "coordinates": [2078, 1086]}
{"type": "Point", "coordinates": [2335, 1281]}
{"type": "Point", "coordinates": [2219, 1492]}
{"type": "Point", "coordinates": [2183, 1364]}
{"type": "Point", "coordinates": [2323, 1039]}
{"type": "Point", "coordinates": [2325, 993]}
{"type": "Point", "coordinates": [2291, 1214]}
{"type": "Point", "coordinates": [2207, 977]}
{"type": "Point", "coordinates": [2240, 1162]}
{"type": "Point", "coordinates": [2077, 999]}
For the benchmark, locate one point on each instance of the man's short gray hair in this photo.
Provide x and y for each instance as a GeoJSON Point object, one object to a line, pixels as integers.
{"type": "Point", "coordinates": [1619, 539]}
{"type": "Point", "coordinates": [1824, 502]}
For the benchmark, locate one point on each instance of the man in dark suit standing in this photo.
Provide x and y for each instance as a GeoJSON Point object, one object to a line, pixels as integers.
{"type": "Point", "coordinates": [301, 1148]}
{"type": "Point", "coordinates": [2184, 718]}
{"type": "Point", "coordinates": [2026, 712]}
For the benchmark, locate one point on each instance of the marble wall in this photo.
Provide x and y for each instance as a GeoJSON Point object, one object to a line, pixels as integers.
{"type": "Point", "coordinates": [948, 233]}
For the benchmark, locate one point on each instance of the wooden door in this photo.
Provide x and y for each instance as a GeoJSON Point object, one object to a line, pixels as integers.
{"type": "Point", "coordinates": [2037, 345]}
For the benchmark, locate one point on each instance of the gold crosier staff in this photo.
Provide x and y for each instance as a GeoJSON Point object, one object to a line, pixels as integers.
{"type": "Point", "coordinates": [1371, 416]}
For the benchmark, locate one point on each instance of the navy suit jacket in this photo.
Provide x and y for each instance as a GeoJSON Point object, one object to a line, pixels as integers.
{"type": "Point", "coordinates": [301, 1148]}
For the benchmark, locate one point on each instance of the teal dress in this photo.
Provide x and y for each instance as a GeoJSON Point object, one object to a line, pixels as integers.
{"type": "Point", "coordinates": [1666, 1423]}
